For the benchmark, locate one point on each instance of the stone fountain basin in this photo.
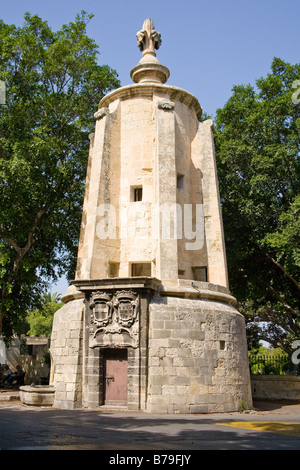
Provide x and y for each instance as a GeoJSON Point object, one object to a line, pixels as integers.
{"type": "Point", "coordinates": [38, 395]}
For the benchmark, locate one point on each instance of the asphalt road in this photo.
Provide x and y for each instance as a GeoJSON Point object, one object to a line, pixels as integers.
{"type": "Point", "coordinates": [270, 426]}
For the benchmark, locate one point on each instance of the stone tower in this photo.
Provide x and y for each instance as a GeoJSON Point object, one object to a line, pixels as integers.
{"type": "Point", "coordinates": [148, 323]}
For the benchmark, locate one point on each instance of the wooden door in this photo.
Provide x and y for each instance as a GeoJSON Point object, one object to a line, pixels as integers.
{"type": "Point", "coordinates": [115, 376]}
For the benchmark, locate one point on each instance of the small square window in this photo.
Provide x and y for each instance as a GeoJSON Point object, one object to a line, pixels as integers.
{"type": "Point", "coordinates": [136, 193]}
{"type": "Point", "coordinates": [200, 273]}
{"type": "Point", "coordinates": [141, 269]}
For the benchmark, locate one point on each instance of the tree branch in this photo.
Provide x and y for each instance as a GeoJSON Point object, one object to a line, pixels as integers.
{"type": "Point", "coordinates": [11, 242]}
{"type": "Point", "coordinates": [280, 267]}
{"type": "Point", "coordinates": [278, 297]}
{"type": "Point", "coordinates": [21, 251]}
{"type": "Point", "coordinates": [284, 271]}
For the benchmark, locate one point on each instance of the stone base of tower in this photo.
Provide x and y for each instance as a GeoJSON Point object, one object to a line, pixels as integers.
{"type": "Point", "coordinates": [198, 360]}
{"type": "Point", "coordinates": [66, 352]}
{"type": "Point", "coordinates": [144, 345]}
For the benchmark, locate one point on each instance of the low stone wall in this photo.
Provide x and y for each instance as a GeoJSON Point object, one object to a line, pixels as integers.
{"type": "Point", "coordinates": [275, 387]}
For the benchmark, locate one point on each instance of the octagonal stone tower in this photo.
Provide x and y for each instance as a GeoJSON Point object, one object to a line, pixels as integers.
{"type": "Point", "coordinates": [148, 322]}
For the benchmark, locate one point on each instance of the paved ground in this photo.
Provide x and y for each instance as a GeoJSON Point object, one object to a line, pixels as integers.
{"type": "Point", "coordinates": [269, 426]}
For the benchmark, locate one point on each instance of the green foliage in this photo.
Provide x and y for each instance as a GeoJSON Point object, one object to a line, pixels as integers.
{"type": "Point", "coordinates": [48, 297]}
{"type": "Point", "coordinates": [53, 86]}
{"type": "Point", "coordinates": [40, 321]}
{"type": "Point", "coordinates": [258, 150]}
{"type": "Point", "coordinates": [271, 361]}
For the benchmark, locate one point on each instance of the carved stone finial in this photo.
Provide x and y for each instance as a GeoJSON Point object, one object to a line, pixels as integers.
{"type": "Point", "coordinates": [148, 38]}
{"type": "Point", "coordinates": [149, 68]}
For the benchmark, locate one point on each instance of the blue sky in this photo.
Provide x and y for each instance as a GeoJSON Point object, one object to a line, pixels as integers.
{"type": "Point", "coordinates": [209, 46]}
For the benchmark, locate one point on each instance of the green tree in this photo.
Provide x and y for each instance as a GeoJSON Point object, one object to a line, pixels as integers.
{"type": "Point", "coordinates": [40, 320]}
{"type": "Point", "coordinates": [258, 150]}
{"type": "Point", "coordinates": [48, 297]}
{"type": "Point", "coordinates": [53, 86]}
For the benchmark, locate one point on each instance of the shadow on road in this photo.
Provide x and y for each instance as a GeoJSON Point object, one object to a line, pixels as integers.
{"type": "Point", "coordinates": [35, 428]}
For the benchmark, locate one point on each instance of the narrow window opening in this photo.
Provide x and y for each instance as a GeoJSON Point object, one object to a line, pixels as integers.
{"type": "Point", "coordinates": [180, 182]}
{"type": "Point", "coordinates": [200, 273]}
{"type": "Point", "coordinates": [141, 269]}
{"type": "Point", "coordinates": [136, 193]}
{"type": "Point", "coordinates": [114, 269]}
{"type": "Point", "coordinates": [222, 345]}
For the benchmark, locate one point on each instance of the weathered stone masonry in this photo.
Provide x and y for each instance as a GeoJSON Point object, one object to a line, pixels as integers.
{"type": "Point", "coordinates": [149, 323]}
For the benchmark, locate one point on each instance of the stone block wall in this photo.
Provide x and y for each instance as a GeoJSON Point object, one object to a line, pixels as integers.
{"type": "Point", "coordinates": [190, 357]}
{"type": "Point", "coordinates": [197, 357]}
{"type": "Point", "coordinates": [66, 355]}
{"type": "Point", "coordinates": [275, 387]}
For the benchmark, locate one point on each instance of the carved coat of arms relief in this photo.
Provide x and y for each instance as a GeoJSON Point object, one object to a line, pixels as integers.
{"type": "Point", "coordinates": [114, 319]}
{"type": "Point", "coordinates": [101, 309]}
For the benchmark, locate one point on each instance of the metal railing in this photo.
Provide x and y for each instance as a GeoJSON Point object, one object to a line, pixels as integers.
{"type": "Point", "coordinates": [272, 365]}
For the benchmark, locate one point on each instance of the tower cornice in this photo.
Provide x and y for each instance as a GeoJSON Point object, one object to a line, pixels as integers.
{"type": "Point", "coordinates": [148, 90]}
